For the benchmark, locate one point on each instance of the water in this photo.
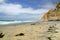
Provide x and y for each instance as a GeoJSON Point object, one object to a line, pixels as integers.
{"type": "Point", "coordinates": [12, 22]}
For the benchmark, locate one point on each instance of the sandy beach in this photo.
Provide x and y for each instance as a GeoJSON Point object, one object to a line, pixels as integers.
{"type": "Point", "coordinates": [29, 19]}
{"type": "Point", "coordinates": [34, 31]}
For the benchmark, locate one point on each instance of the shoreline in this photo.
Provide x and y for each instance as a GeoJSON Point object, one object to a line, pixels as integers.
{"type": "Point", "coordinates": [14, 24]}
{"type": "Point", "coordinates": [26, 23]}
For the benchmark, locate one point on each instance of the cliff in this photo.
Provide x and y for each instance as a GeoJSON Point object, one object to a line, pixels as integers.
{"type": "Point", "coordinates": [52, 15]}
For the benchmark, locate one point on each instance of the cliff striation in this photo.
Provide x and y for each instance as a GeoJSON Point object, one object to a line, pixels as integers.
{"type": "Point", "coordinates": [52, 15]}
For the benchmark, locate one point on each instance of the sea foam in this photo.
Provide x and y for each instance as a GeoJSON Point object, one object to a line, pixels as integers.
{"type": "Point", "coordinates": [12, 22]}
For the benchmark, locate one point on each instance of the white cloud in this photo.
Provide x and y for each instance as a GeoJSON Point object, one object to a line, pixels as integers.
{"type": "Point", "coordinates": [15, 9]}
{"type": "Point", "coordinates": [49, 6]}
{"type": "Point", "coordinates": [11, 10]}
{"type": "Point", "coordinates": [2, 1]}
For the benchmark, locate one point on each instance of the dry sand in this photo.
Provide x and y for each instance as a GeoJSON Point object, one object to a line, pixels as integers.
{"type": "Point", "coordinates": [35, 31]}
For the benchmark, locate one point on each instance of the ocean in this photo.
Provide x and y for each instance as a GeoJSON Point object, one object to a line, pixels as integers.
{"type": "Point", "coordinates": [12, 22]}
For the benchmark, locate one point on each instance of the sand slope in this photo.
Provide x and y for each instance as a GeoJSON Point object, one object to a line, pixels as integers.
{"type": "Point", "coordinates": [39, 31]}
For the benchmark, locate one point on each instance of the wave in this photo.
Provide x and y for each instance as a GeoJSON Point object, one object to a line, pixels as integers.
{"type": "Point", "coordinates": [12, 22]}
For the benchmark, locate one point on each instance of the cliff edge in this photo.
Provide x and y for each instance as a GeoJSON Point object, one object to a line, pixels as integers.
{"type": "Point", "coordinates": [52, 15]}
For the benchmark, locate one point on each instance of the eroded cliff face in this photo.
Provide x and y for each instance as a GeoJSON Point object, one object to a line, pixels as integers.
{"type": "Point", "coordinates": [52, 15]}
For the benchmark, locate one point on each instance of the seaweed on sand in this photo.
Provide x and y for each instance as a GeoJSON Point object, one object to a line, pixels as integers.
{"type": "Point", "coordinates": [20, 34]}
{"type": "Point", "coordinates": [1, 35]}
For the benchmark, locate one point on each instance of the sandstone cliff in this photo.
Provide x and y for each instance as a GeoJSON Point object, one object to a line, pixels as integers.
{"type": "Point", "coordinates": [52, 15]}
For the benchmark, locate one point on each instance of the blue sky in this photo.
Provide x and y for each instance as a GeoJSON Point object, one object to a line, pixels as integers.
{"type": "Point", "coordinates": [25, 9]}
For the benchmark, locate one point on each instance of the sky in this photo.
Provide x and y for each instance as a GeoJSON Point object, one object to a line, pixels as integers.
{"type": "Point", "coordinates": [25, 9]}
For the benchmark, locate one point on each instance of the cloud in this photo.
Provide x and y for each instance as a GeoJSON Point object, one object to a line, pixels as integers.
{"type": "Point", "coordinates": [48, 6]}
{"type": "Point", "coordinates": [21, 17]}
{"type": "Point", "coordinates": [15, 9]}
{"type": "Point", "coordinates": [2, 1]}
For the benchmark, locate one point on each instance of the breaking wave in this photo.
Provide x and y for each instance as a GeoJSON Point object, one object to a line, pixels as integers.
{"type": "Point", "coordinates": [12, 22]}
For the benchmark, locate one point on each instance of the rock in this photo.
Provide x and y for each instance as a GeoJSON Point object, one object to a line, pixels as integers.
{"type": "Point", "coordinates": [49, 38]}
{"type": "Point", "coordinates": [1, 35]}
{"type": "Point", "coordinates": [20, 34]}
{"type": "Point", "coordinates": [53, 14]}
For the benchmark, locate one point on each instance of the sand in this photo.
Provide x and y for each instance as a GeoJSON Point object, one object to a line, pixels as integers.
{"type": "Point", "coordinates": [34, 31]}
